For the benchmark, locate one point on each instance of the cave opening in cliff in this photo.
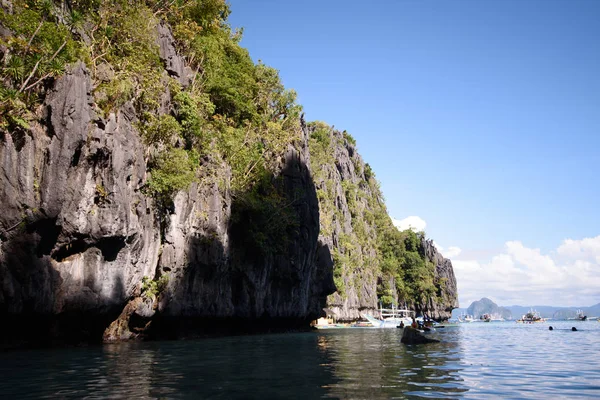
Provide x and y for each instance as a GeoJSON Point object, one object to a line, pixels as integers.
{"type": "Point", "coordinates": [48, 232]}
{"type": "Point", "coordinates": [76, 246]}
{"type": "Point", "coordinates": [111, 247]}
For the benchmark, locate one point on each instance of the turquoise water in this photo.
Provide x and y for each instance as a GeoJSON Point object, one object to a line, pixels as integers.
{"type": "Point", "coordinates": [478, 360]}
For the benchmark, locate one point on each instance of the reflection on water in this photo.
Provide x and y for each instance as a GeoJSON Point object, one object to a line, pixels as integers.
{"type": "Point", "coordinates": [373, 364]}
{"type": "Point", "coordinates": [474, 361]}
{"type": "Point", "coordinates": [273, 366]}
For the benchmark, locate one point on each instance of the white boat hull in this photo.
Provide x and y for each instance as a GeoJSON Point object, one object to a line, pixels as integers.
{"type": "Point", "coordinates": [388, 322]}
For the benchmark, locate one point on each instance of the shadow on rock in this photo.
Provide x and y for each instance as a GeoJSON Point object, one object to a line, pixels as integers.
{"type": "Point", "coordinates": [262, 271]}
{"type": "Point", "coordinates": [33, 306]}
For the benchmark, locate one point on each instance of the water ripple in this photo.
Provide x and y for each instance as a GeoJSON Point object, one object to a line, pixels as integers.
{"type": "Point", "coordinates": [472, 361]}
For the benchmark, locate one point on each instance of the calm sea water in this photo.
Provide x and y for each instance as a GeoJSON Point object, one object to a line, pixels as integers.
{"type": "Point", "coordinates": [478, 360]}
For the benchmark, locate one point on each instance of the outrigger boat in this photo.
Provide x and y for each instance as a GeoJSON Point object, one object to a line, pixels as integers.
{"type": "Point", "coordinates": [531, 317]}
{"type": "Point", "coordinates": [390, 318]}
{"type": "Point", "coordinates": [581, 316]}
{"type": "Point", "coordinates": [485, 318]}
{"type": "Point", "coordinates": [466, 318]}
{"type": "Point", "coordinates": [329, 322]}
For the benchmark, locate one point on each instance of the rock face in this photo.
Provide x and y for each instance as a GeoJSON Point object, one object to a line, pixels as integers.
{"type": "Point", "coordinates": [173, 62]}
{"type": "Point", "coordinates": [440, 308]}
{"type": "Point", "coordinates": [360, 286]}
{"type": "Point", "coordinates": [133, 322]}
{"type": "Point", "coordinates": [78, 234]}
{"type": "Point", "coordinates": [79, 230]}
{"type": "Point", "coordinates": [349, 201]}
{"type": "Point", "coordinates": [218, 272]}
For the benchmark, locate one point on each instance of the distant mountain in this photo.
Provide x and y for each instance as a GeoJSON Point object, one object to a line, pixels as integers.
{"type": "Point", "coordinates": [545, 311]}
{"type": "Point", "coordinates": [557, 312]}
{"type": "Point", "coordinates": [593, 311]}
{"type": "Point", "coordinates": [487, 306]}
{"type": "Point", "coordinates": [565, 313]}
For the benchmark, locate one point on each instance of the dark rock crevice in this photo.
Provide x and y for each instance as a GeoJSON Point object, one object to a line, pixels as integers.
{"type": "Point", "coordinates": [110, 247]}
{"type": "Point", "coordinates": [48, 232]}
{"type": "Point", "coordinates": [77, 155]}
{"type": "Point", "coordinates": [73, 247]}
{"type": "Point", "coordinates": [19, 138]}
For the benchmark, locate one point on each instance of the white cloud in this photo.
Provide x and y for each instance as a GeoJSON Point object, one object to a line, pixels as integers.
{"type": "Point", "coordinates": [450, 252]}
{"type": "Point", "coordinates": [588, 249]}
{"type": "Point", "coordinates": [417, 224]}
{"type": "Point", "coordinates": [413, 222]}
{"type": "Point", "coordinates": [569, 276]}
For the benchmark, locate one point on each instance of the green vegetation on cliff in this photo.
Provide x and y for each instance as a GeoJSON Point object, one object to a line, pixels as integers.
{"type": "Point", "coordinates": [232, 108]}
{"type": "Point", "coordinates": [228, 109]}
{"type": "Point", "coordinates": [39, 49]}
{"type": "Point", "coordinates": [371, 247]}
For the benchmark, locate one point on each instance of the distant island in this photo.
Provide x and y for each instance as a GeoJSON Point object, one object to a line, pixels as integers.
{"type": "Point", "coordinates": [484, 306]}
{"type": "Point", "coordinates": [487, 306]}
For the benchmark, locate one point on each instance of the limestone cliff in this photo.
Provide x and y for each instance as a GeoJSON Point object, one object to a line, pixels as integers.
{"type": "Point", "coordinates": [79, 234]}
{"type": "Point", "coordinates": [170, 186]}
{"type": "Point", "coordinates": [446, 298]}
{"type": "Point", "coordinates": [79, 230]}
{"type": "Point", "coordinates": [370, 255]}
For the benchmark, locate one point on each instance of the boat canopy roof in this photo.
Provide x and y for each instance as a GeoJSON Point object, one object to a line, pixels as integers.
{"type": "Point", "coordinates": [395, 311]}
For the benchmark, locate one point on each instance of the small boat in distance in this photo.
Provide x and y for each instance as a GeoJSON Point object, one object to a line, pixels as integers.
{"type": "Point", "coordinates": [485, 318]}
{"type": "Point", "coordinates": [582, 317]}
{"type": "Point", "coordinates": [466, 318]}
{"type": "Point", "coordinates": [496, 317]}
{"type": "Point", "coordinates": [531, 317]}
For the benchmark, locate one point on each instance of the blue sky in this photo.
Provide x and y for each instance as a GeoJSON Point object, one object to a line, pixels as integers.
{"type": "Point", "coordinates": [481, 118]}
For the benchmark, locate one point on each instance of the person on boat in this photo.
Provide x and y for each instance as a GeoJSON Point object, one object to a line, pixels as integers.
{"type": "Point", "coordinates": [414, 323]}
{"type": "Point", "coordinates": [401, 325]}
{"type": "Point", "coordinates": [427, 322]}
